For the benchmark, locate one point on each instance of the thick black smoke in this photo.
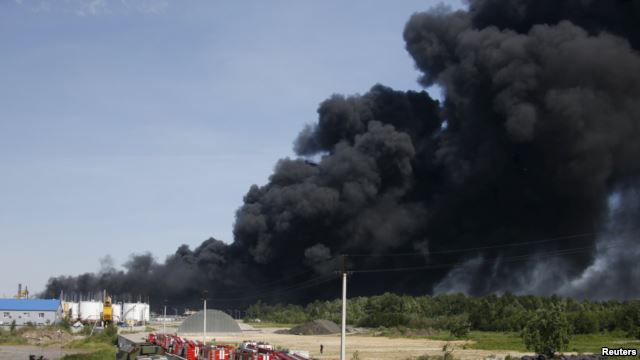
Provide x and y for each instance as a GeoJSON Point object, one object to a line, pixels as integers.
{"type": "Point", "coordinates": [542, 126]}
{"type": "Point", "coordinates": [539, 129]}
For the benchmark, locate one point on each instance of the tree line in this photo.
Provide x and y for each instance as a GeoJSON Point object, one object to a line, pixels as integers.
{"type": "Point", "coordinates": [459, 313]}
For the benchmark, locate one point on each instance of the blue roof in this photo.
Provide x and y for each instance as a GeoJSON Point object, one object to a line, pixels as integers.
{"type": "Point", "coordinates": [29, 304]}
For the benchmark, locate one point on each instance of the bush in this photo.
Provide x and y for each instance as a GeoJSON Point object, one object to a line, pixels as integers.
{"type": "Point", "coordinates": [460, 329]}
{"type": "Point", "coordinates": [385, 319]}
{"type": "Point", "coordinates": [548, 331]}
{"type": "Point", "coordinates": [64, 324]}
{"type": "Point", "coordinates": [458, 325]}
{"type": "Point", "coordinates": [447, 352]}
{"type": "Point", "coordinates": [106, 337]}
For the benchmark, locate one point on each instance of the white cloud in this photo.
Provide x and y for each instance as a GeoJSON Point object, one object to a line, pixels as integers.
{"type": "Point", "coordinates": [89, 7]}
{"type": "Point", "coordinates": [146, 6]}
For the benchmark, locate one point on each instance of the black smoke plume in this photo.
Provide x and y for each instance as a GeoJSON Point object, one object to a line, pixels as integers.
{"type": "Point", "coordinates": [505, 185]}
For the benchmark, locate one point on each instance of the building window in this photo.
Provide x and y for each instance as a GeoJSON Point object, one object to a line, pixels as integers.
{"type": "Point", "coordinates": [25, 315]}
{"type": "Point", "coordinates": [6, 315]}
{"type": "Point", "coordinates": [41, 315]}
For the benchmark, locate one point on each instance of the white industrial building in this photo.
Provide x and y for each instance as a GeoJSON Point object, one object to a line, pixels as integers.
{"type": "Point", "coordinates": [34, 311]}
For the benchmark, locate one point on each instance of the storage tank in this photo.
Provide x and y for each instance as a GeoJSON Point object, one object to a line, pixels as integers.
{"type": "Point", "coordinates": [66, 306]}
{"type": "Point", "coordinates": [143, 310]}
{"type": "Point", "coordinates": [74, 311]}
{"type": "Point", "coordinates": [147, 313]}
{"type": "Point", "coordinates": [131, 312]}
{"type": "Point", "coordinates": [117, 312]}
{"type": "Point", "coordinates": [90, 310]}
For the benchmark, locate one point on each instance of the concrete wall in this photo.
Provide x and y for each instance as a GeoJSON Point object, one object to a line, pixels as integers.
{"type": "Point", "coordinates": [23, 317]}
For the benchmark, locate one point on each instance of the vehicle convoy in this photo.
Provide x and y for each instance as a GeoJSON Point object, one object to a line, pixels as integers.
{"type": "Point", "coordinates": [182, 348]}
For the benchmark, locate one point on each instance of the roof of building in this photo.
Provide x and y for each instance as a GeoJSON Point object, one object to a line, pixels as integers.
{"type": "Point", "coordinates": [29, 304]}
{"type": "Point", "coordinates": [217, 322]}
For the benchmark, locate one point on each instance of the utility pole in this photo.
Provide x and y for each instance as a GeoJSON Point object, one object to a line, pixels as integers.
{"type": "Point", "coordinates": [344, 309]}
{"type": "Point", "coordinates": [164, 320]}
{"type": "Point", "coordinates": [204, 323]}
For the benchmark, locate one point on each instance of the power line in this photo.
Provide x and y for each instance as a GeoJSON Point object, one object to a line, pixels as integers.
{"type": "Point", "coordinates": [267, 284]}
{"type": "Point", "coordinates": [293, 288]}
{"type": "Point", "coordinates": [327, 278]}
{"type": "Point", "coordinates": [564, 252]}
{"type": "Point", "coordinates": [280, 280]}
{"type": "Point", "coordinates": [498, 246]}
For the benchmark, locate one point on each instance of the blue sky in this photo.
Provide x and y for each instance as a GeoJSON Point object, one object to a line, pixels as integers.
{"type": "Point", "coordinates": [129, 126]}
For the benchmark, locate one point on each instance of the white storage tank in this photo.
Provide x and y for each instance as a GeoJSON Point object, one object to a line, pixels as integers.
{"type": "Point", "coordinates": [74, 311]}
{"type": "Point", "coordinates": [117, 312]}
{"type": "Point", "coordinates": [90, 310]}
{"type": "Point", "coordinates": [69, 311]}
{"type": "Point", "coordinates": [142, 309]}
{"type": "Point", "coordinates": [131, 312]}
{"type": "Point", "coordinates": [147, 313]}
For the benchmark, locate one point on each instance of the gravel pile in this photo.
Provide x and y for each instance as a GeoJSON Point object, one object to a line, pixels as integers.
{"type": "Point", "coordinates": [316, 327]}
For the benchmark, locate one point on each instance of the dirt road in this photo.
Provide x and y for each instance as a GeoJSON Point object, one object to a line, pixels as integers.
{"type": "Point", "coordinates": [368, 347]}
{"type": "Point", "coordinates": [23, 352]}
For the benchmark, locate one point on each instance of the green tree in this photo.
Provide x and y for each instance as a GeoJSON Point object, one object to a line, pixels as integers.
{"type": "Point", "coordinates": [629, 318]}
{"type": "Point", "coordinates": [459, 326]}
{"type": "Point", "coordinates": [12, 329]}
{"type": "Point", "coordinates": [255, 311]}
{"type": "Point", "coordinates": [585, 322]}
{"type": "Point", "coordinates": [547, 331]}
{"type": "Point", "coordinates": [485, 314]}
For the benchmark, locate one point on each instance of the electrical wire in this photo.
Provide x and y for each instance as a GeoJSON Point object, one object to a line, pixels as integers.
{"type": "Point", "coordinates": [500, 259]}
{"type": "Point", "coordinates": [498, 246]}
{"type": "Point", "coordinates": [292, 288]}
{"type": "Point", "coordinates": [516, 258]}
{"type": "Point", "coordinates": [280, 280]}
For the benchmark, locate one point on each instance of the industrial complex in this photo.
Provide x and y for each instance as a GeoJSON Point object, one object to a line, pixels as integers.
{"type": "Point", "coordinates": [22, 310]}
{"type": "Point", "coordinates": [89, 311]}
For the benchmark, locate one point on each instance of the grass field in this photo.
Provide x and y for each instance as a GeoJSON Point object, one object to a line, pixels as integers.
{"type": "Point", "coordinates": [104, 354]}
{"type": "Point", "coordinates": [101, 347]}
{"type": "Point", "coordinates": [7, 338]}
{"type": "Point", "coordinates": [497, 341]}
{"type": "Point", "coordinates": [592, 343]}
